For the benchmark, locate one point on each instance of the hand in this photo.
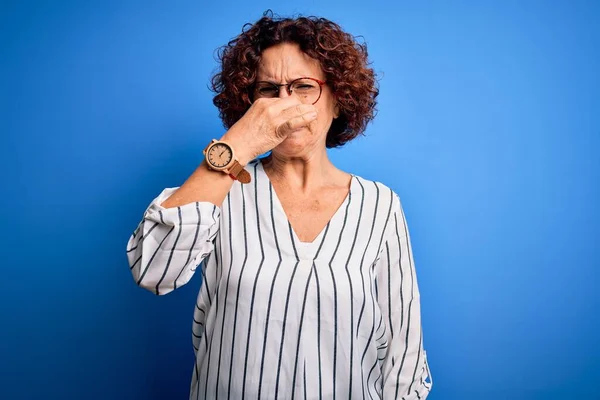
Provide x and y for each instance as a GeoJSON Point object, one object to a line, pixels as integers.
{"type": "Point", "coordinates": [266, 124]}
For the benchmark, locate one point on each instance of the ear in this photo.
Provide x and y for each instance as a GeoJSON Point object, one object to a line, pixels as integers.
{"type": "Point", "coordinates": [336, 111]}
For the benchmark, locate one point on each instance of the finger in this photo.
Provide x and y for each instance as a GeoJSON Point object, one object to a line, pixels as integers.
{"type": "Point", "coordinates": [296, 123]}
{"type": "Point", "coordinates": [277, 105]}
{"type": "Point", "coordinates": [297, 110]}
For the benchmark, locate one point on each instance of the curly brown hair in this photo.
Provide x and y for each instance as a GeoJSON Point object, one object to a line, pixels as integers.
{"type": "Point", "coordinates": [343, 60]}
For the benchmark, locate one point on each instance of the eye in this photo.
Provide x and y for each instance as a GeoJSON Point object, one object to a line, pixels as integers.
{"type": "Point", "coordinates": [267, 90]}
{"type": "Point", "coordinates": [304, 86]}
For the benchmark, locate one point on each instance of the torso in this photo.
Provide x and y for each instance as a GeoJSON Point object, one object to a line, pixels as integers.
{"type": "Point", "coordinates": [277, 316]}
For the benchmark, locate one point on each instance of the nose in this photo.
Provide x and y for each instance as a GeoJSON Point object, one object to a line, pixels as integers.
{"type": "Point", "coordinates": [283, 89]}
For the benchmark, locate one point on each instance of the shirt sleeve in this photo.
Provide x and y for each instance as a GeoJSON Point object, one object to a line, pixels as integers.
{"type": "Point", "coordinates": [169, 243]}
{"type": "Point", "coordinates": [404, 368]}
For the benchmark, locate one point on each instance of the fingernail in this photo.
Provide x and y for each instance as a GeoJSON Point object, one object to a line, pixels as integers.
{"type": "Point", "coordinates": [312, 115]}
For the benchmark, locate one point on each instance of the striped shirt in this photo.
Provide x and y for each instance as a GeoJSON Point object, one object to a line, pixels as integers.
{"type": "Point", "coordinates": [277, 318]}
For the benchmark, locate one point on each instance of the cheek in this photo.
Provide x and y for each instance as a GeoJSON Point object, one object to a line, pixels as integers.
{"type": "Point", "coordinates": [321, 125]}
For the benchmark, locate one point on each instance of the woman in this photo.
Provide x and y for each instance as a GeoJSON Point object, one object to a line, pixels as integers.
{"type": "Point", "coordinates": [308, 283]}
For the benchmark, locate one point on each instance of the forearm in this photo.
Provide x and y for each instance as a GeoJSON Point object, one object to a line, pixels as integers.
{"type": "Point", "coordinates": [204, 185]}
{"type": "Point", "coordinates": [207, 185]}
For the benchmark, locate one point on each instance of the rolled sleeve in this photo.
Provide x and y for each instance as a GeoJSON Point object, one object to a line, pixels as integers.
{"type": "Point", "coordinates": [170, 243]}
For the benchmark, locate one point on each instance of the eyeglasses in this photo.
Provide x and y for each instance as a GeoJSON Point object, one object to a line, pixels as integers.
{"type": "Point", "coordinates": [307, 89]}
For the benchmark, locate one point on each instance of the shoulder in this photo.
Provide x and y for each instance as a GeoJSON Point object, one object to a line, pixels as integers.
{"type": "Point", "coordinates": [388, 206]}
{"type": "Point", "coordinates": [378, 192]}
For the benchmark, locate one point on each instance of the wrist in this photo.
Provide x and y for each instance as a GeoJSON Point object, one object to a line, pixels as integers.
{"type": "Point", "coordinates": [241, 150]}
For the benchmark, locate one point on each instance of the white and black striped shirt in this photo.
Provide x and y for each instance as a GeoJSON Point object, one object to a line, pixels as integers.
{"type": "Point", "coordinates": [280, 319]}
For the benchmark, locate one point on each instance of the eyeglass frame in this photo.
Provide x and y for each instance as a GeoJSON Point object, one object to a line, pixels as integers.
{"type": "Point", "coordinates": [288, 88]}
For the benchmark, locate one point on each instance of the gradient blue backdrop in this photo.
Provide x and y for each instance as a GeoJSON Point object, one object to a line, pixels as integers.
{"type": "Point", "coordinates": [488, 128]}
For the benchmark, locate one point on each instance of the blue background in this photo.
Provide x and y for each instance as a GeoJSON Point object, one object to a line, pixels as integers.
{"type": "Point", "coordinates": [488, 128]}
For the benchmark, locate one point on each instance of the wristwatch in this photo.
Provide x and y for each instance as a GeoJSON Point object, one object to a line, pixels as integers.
{"type": "Point", "coordinates": [220, 157]}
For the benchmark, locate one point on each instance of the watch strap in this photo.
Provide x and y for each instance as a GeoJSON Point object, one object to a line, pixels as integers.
{"type": "Point", "coordinates": [238, 172]}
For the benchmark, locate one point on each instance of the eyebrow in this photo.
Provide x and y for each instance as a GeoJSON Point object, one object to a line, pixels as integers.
{"type": "Point", "coordinates": [272, 80]}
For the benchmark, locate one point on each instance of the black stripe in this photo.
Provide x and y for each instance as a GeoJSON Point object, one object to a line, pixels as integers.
{"type": "Point", "coordinates": [401, 274]}
{"type": "Point", "coordinates": [362, 308]}
{"type": "Point", "coordinates": [319, 331]}
{"type": "Point", "coordinates": [387, 219]}
{"type": "Point", "coordinates": [262, 361]}
{"type": "Point", "coordinates": [199, 309]}
{"type": "Point", "coordinates": [379, 326]}
{"type": "Point", "coordinates": [155, 252]}
{"type": "Point", "coordinates": [304, 379]}
{"type": "Point", "coordinates": [225, 305]}
{"type": "Point", "coordinates": [369, 377]}
{"type": "Point", "coordinates": [212, 237]}
{"type": "Point", "coordinates": [376, 207]}
{"type": "Point", "coordinates": [204, 284]}
{"type": "Point", "coordinates": [172, 251]}
{"type": "Point", "coordinates": [217, 263]}
{"type": "Point", "coordinates": [262, 259]}
{"type": "Point", "coordinates": [195, 335]}
{"type": "Point", "coordinates": [383, 231]}
{"type": "Point", "coordinates": [237, 296]}
{"type": "Point", "coordinates": [377, 360]}
{"type": "Point", "coordinates": [136, 261]}
{"type": "Point", "coordinates": [362, 199]}
{"type": "Point", "coordinates": [205, 279]}
{"type": "Point", "coordinates": [189, 257]}
{"type": "Point", "coordinates": [200, 324]}
{"type": "Point", "coordinates": [143, 237]}
{"type": "Point", "coordinates": [335, 299]}
{"type": "Point", "coordinates": [370, 337]}
{"type": "Point", "coordinates": [228, 200]}
{"type": "Point", "coordinates": [409, 304]}
{"type": "Point", "coordinates": [293, 242]}
{"type": "Point", "coordinates": [378, 392]}
{"type": "Point", "coordinates": [300, 334]}
{"type": "Point", "coordinates": [389, 288]}
{"type": "Point", "coordinates": [416, 363]}
{"type": "Point", "coordinates": [287, 303]}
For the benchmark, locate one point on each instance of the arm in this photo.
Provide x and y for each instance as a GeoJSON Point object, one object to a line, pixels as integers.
{"type": "Point", "coordinates": [266, 124]}
{"type": "Point", "coordinates": [179, 227]}
{"type": "Point", "coordinates": [404, 368]}
{"type": "Point", "coordinates": [169, 243]}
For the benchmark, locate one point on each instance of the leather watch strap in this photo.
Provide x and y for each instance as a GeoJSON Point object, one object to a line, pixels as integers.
{"type": "Point", "coordinates": [238, 172]}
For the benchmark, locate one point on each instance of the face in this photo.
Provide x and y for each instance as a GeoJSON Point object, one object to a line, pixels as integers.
{"type": "Point", "coordinates": [282, 64]}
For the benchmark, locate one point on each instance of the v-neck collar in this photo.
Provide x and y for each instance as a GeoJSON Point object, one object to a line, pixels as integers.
{"type": "Point", "coordinates": [307, 250]}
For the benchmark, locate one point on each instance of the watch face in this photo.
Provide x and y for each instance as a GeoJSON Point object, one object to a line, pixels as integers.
{"type": "Point", "coordinates": [219, 155]}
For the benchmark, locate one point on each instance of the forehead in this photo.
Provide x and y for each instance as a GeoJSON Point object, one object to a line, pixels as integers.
{"type": "Point", "coordinates": [286, 61]}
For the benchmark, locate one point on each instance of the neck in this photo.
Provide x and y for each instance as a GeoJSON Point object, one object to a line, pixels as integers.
{"type": "Point", "coordinates": [302, 173]}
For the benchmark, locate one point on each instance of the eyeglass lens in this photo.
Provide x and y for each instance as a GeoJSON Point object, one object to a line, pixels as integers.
{"type": "Point", "coordinates": [307, 90]}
